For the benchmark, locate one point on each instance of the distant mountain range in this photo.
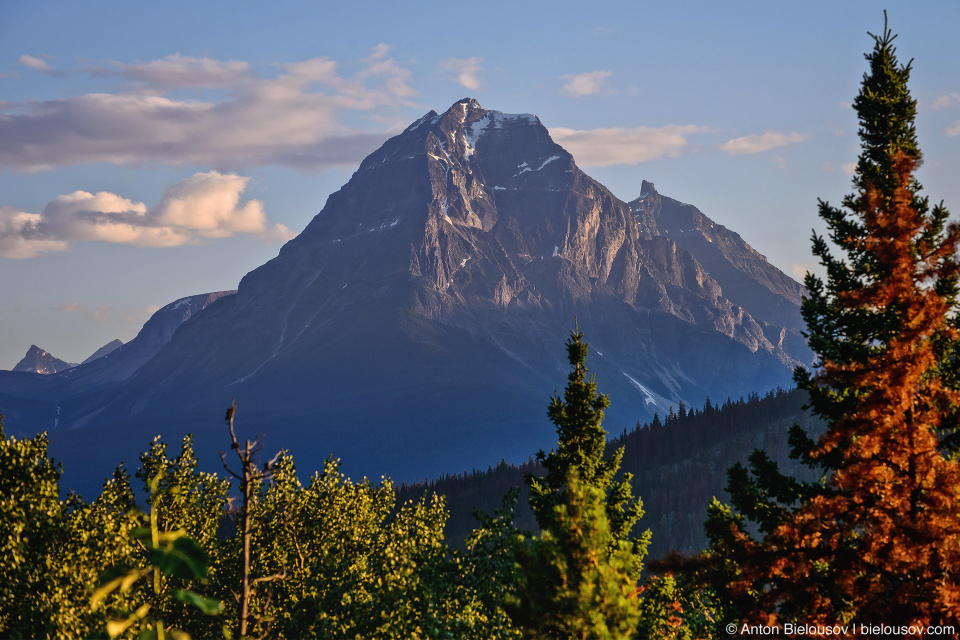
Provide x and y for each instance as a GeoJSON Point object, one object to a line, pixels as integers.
{"type": "Point", "coordinates": [40, 361]}
{"type": "Point", "coordinates": [32, 402]}
{"type": "Point", "coordinates": [416, 326]}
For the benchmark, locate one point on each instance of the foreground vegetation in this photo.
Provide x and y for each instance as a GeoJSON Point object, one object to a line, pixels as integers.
{"type": "Point", "coordinates": [874, 538]}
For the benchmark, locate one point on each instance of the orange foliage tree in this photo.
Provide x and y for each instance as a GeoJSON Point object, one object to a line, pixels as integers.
{"type": "Point", "coordinates": [878, 539]}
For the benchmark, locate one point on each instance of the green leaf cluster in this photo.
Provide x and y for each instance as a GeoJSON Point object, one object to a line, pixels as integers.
{"type": "Point", "coordinates": [31, 523]}
{"type": "Point", "coordinates": [345, 562]}
{"type": "Point", "coordinates": [331, 558]}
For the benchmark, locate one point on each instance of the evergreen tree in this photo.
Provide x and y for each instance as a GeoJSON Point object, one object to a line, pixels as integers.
{"type": "Point", "coordinates": [879, 538]}
{"type": "Point", "coordinates": [579, 578]}
{"type": "Point", "coordinates": [570, 584]}
{"type": "Point", "coordinates": [578, 417]}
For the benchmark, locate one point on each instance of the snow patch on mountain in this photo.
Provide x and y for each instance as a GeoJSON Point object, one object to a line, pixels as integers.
{"type": "Point", "coordinates": [548, 161]}
{"type": "Point", "coordinates": [648, 395]}
{"type": "Point", "coordinates": [472, 132]}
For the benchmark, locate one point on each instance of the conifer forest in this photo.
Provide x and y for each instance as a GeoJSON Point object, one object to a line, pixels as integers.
{"type": "Point", "coordinates": [833, 507]}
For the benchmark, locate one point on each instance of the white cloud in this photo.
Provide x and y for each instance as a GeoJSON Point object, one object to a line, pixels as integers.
{"type": "Point", "coordinates": [177, 72]}
{"type": "Point", "coordinates": [379, 65]}
{"type": "Point", "coordinates": [585, 84]}
{"type": "Point", "coordinates": [761, 142]}
{"type": "Point", "coordinates": [954, 130]}
{"type": "Point", "coordinates": [602, 147]}
{"type": "Point", "coordinates": [205, 205]}
{"type": "Point", "coordinates": [466, 71]}
{"type": "Point", "coordinates": [39, 65]}
{"type": "Point", "coordinates": [20, 237]}
{"type": "Point", "coordinates": [848, 168]}
{"type": "Point", "coordinates": [800, 270]}
{"type": "Point", "coordinates": [945, 101]}
{"type": "Point", "coordinates": [292, 120]}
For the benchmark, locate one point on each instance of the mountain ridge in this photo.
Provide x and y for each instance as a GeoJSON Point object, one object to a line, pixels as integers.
{"type": "Point", "coordinates": [106, 349]}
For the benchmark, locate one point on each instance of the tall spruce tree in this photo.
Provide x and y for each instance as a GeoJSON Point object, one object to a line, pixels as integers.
{"type": "Point", "coordinates": [578, 579]}
{"type": "Point", "coordinates": [581, 446]}
{"type": "Point", "coordinates": [878, 539]}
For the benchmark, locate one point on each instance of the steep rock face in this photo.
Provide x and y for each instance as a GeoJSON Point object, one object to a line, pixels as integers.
{"type": "Point", "coordinates": [746, 277]}
{"type": "Point", "coordinates": [416, 326]}
{"type": "Point", "coordinates": [478, 209]}
{"type": "Point", "coordinates": [39, 361]}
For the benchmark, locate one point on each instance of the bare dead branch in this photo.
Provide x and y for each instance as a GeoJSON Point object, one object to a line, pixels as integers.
{"type": "Point", "coordinates": [250, 474]}
{"type": "Point", "coordinates": [223, 459]}
{"type": "Point", "coordinates": [271, 578]}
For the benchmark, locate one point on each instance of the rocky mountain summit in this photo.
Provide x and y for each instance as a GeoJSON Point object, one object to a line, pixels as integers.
{"type": "Point", "coordinates": [39, 361]}
{"type": "Point", "coordinates": [416, 326]}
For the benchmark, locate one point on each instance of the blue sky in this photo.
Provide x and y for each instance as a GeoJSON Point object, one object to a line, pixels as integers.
{"type": "Point", "coordinates": [150, 151]}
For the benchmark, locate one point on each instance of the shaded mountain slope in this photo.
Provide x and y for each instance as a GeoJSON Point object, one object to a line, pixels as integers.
{"type": "Point", "coordinates": [34, 403]}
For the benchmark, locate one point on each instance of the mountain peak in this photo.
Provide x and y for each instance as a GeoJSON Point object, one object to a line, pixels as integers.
{"type": "Point", "coordinates": [39, 361]}
{"type": "Point", "coordinates": [455, 133]}
{"type": "Point", "coordinates": [464, 108]}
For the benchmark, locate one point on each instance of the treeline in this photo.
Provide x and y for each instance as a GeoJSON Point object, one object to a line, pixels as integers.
{"type": "Point", "coordinates": [678, 465]}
